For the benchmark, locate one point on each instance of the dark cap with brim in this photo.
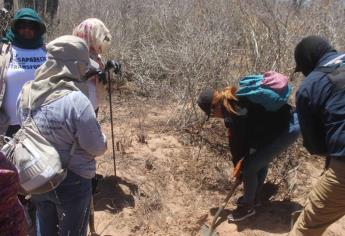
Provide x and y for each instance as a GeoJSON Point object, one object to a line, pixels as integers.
{"type": "Point", "coordinates": [204, 101]}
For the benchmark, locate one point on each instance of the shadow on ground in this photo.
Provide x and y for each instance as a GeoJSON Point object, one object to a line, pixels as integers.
{"type": "Point", "coordinates": [113, 194]}
{"type": "Point", "coordinates": [272, 216]}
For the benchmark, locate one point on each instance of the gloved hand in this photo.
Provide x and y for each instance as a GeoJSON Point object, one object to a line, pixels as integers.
{"type": "Point", "coordinates": [102, 77]}
{"type": "Point", "coordinates": [113, 64]}
{"type": "Point", "coordinates": [99, 73]}
{"type": "Point", "coordinates": [90, 73]}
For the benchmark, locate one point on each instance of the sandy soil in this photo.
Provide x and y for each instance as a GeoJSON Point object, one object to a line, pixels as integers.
{"type": "Point", "coordinates": [167, 183]}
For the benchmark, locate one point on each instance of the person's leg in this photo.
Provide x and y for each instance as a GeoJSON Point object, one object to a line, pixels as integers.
{"type": "Point", "coordinates": [255, 166]}
{"type": "Point", "coordinates": [46, 214]}
{"type": "Point", "coordinates": [75, 196]}
{"type": "Point", "coordinates": [262, 174]}
{"type": "Point", "coordinates": [250, 173]}
{"type": "Point", "coordinates": [325, 204]}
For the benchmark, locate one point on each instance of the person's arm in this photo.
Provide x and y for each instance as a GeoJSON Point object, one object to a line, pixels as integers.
{"type": "Point", "coordinates": [310, 102]}
{"type": "Point", "coordinates": [238, 141]}
{"type": "Point", "coordinates": [89, 134]}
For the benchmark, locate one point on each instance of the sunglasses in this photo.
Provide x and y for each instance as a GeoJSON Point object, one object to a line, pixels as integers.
{"type": "Point", "coordinates": [26, 25]}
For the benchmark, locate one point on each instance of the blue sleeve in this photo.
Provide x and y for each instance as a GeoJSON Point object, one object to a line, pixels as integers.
{"type": "Point", "coordinates": [311, 98]}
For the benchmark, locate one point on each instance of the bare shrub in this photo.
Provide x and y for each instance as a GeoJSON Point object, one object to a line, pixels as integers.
{"type": "Point", "coordinates": [174, 48]}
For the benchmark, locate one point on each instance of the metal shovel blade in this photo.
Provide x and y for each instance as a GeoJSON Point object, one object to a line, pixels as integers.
{"type": "Point", "coordinates": [206, 231]}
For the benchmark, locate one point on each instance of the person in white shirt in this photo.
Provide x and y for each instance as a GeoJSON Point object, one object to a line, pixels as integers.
{"type": "Point", "coordinates": [25, 37]}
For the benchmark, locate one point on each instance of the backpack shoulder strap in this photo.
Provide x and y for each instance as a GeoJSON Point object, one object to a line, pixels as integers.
{"type": "Point", "coordinates": [332, 64]}
{"type": "Point", "coordinates": [5, 48]}
{"type": "Point", "coordinates": [335, 71]}
{"type": "Point", "coordinates": [5, 59]}
{"type": "Point", "coordinates": [337, 77]}
{"type": "Point", "coordinates": [5, 55]}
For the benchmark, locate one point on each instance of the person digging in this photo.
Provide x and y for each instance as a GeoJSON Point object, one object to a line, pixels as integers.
{"type": "Point", "coordinates": [256, 135]}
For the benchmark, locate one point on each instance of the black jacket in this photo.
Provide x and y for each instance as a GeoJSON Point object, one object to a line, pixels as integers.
{"type": "Point", "coordinates": [256, 129]}
{"type": "Point", "coordinates": [321, 113]}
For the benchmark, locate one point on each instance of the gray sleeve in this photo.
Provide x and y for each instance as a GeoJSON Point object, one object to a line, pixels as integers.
{"type": "Point", "coordinates": [89, 134]}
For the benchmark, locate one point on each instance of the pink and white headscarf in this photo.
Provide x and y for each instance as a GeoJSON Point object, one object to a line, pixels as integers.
{"type": "Point", "coordinates": [95, 33]}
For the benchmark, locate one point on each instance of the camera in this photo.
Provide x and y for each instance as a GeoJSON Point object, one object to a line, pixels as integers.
{"type": "Point", "coordinates": [113, 64]}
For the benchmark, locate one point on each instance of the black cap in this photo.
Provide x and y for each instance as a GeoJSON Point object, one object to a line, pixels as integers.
{"type": "Point", "coordinates": [205, 101]}
{"type": "Point", "coordinates": [308, 53]}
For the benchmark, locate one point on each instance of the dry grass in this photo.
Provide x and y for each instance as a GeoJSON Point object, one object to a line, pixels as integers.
{"type": "Point", "coordinates": [172, 49]}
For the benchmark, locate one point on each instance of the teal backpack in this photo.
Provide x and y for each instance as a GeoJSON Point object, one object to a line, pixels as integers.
{"type": "Point", "coordinates": [252, 88]}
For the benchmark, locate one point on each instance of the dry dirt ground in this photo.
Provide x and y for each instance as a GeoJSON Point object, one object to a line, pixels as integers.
{"type": "Point", "coordinates": [168, 184]}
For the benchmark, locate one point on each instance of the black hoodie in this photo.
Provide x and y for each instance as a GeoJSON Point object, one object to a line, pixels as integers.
{"type": "Point", "coordinates": [308, 53]}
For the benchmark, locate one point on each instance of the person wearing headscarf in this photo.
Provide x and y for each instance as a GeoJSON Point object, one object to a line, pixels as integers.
{"type": "Point", "coordinates": [27, 53]}
{"type": "Point", "coordinates": [256, 133]}
{"type": "Point", "coordinates": [98, 38]}
{"type": "Point", "coordinates": [321, 112]}
{"type": "Point", "coordinates": [65, 117]}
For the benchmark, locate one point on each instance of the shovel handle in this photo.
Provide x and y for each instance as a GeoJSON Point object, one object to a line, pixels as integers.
{"type": "Point", "coordinates": [92, 217]}
{"type": "Point", "coordinates": [237, 169]}
{"type": "Point", "coordinates": [221, 208]}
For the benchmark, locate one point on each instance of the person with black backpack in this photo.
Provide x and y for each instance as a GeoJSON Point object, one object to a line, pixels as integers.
{"type": "Point", "coordinates": [320, 105]}
{"type": "Point", "coordinates": [261, 125]}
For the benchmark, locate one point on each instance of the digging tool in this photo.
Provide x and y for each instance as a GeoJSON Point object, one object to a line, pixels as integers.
{"type": "Point", "coordinates": [111, 121]}
{"type": "Point", "coordinates": [116, 66]}
{"type": "Point", "coordinates": [209, 231]}
{"type": "Point", "coordinates": [92, 218]}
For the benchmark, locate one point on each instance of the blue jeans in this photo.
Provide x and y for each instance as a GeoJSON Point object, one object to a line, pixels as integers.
{"type": "Point", "coordinates": [255, 166]}
{"type": "Point", "coordinates": [65, 210]}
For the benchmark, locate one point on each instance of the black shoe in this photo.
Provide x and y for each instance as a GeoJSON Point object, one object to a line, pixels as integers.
{"type": "Point", "coordinates": [241, 213]}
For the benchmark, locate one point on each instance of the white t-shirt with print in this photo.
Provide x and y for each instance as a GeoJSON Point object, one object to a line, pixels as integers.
{"type": "Point", "coordinates": [21, 69]}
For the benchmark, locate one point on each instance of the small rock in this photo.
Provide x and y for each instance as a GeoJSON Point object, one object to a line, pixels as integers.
{"type": "Point", "coordinates": [148, 164]}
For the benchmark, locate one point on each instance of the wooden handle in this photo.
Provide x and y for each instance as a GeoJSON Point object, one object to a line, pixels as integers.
{"type": "Point", "coordinates": [237, 169]}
